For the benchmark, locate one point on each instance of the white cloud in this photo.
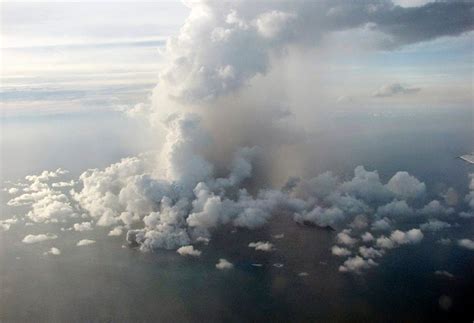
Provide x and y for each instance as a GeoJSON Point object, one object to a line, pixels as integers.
{"type": "Point", "coordinates": [203, 240]}
{"type": "Point", "coordinates": [196, 56]}
{"type": "Point", "coordinates": [47, 205]}
{"type": "Point", "coordinates": [369, 252]}
{"type": "Point", "coordinates": [405, 186]}
{"type": "Point", "coordinates": [64, 184]}
{"type": "Point", "coordinates": [366, 185]}
{"type": "Point", "coordinates": [188, 251]}
{"type": "Point", "coordinates": [398, 238]}
{"type": "Point", "coordinates": [360, 222]}
{"type": "Point", "coordinates": [5, 226]}
{"type": "Point", "coordinates": [357, 264]}
{"type": "Point", "coordinates": [345, 239]}
{"type": "Point", "coordinates": [409, 237]}
{"type": "Point", "coordinates": [84, 226]}
{"type": "Point", "coordinates": [32, 238]}
{"type": "Point", "coordinates": [385, 243]}
{"type": "Point", "coordinates": [53, 251]}
{"type": "Point", "coordinates": [411, 3]}
{"type": "Point", "coordinates": [85, 242]}
{"type": "Point", "coordinates": [272, 23]}
{"type": "Point", "coordinates": [13, 190]}
{"type": "Point", "coordinates": [340, 252]}
{"type": "Point", "coordinates": [466, 243]}
{"type": "Point", "coordinates": [367, 237]}
{"type": "Point", "coordinates": [46, 175]}
{"type": "Point", "coordinates": [115, 232]}
{"type": "Point", "coordinates": [223, 264]}
{"type": "Point", "coordinates": [262, 246]}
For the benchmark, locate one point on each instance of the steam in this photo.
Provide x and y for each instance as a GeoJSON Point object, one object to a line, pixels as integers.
{"type": "Point", "coordinates": [211, 171]}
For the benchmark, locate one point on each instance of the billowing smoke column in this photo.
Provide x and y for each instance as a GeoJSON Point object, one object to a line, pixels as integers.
{"type": "Point", "coordinates": [181, 195]}
{"type": "Point", "coordinates": [175, 199]}
{"type": "Point", "coordinates": [223, 44]}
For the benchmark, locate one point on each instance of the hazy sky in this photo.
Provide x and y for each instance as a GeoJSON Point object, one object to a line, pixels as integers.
{"type": "Point", "coordinates": [57, 53]}
{"type": "Point", "coordinates": [70, 56]}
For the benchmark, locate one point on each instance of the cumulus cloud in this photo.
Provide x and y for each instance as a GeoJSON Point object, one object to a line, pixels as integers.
{"type": "Point", "coordinates": [13, 190]}
{"type": "Point", "coordinates": [466, 243]}
{"type": "Point", "coordinates": [345, 238]}
{"type": "Point", "coordinates": [6, 224]}
{"type": "Point", "coordinates": [409, 237]}
{"type": "Point", "coordinates": [357, 264]}
{"type": "Point", "coordinates": [435, 208]}
{"type": "Point", "coordinates": [47, 205]}
{"type": "Point", "coordinates": [46, 175]}
{"type": "Point", "coordinates": [270, 24]}
{"type": "Point", "coordinates": [360, 222]}
{"type": "Point", "coordinates": [399, 237]}
{"type": "Point", "coordinates": [64, 184]}
{"type": "Point", "coordinates": [115, 232]}
{"type": "Point", "coordinates": [406, 186]}
{"type": "Point", "coordinates": [381, 225]}
{"type": "Point", "coordinates": [53, 251]}
{"type": "Point", "coordinates": [85, 242]}
{"type": "Point", "coordinates": [367, 237]}
{"type": "Point", "coordinates": [395, 208]}
{"type": "Point", "coordinates": [320, 216]}
{"type": "Point", "coordinates": [84, 226]}
{"type": "Point", "coordinates": [208, 58]}
{"type": "Point", "coordinates": [369, 252]}
{"type": "Point", "coordinates": [434, 225]}
{"type": "Point", "coordinates": [262, 246]}
{"type": "Point", "coordinates": [223, 264]}
{"type": "Point", "coordinates": [188, 251]}
{"type": "Point", "coordinates": [340, 252]}
{"type": "Point", "coordinates": [395, 89]}
{"type": "Point", "coordinates": [32, 238]}
{"type": "Point", "coordinates": [367, 186]}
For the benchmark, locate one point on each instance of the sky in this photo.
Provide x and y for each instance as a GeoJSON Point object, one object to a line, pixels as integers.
{"type": "Point", "coordinates": [106, 55]}
{"type": "Point", "coordinates": [55, 52]}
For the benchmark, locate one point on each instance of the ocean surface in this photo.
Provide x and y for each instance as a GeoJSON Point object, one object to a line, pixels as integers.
{"type": "Point", "coordinates": [111, 282]}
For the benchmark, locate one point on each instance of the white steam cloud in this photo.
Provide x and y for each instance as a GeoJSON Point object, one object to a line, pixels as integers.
{"type": "Point", "coordinates": [180, 195]}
